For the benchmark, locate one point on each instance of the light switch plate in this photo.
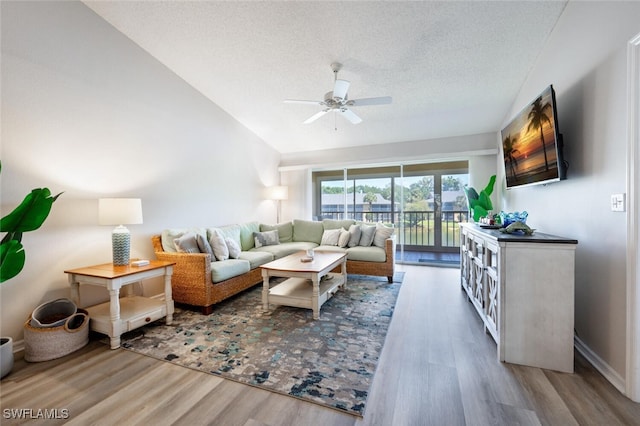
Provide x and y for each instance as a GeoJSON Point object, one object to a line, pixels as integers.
{"type": "Point", "coordinates": [618, 203]}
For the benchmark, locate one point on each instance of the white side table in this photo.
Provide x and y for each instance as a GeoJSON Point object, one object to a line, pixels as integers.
{"type": "Point", "coordinates": [120, 315]}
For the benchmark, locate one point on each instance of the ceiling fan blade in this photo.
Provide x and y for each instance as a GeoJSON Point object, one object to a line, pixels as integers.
{"type": "Point", "coordinates": [316, 116]}
{"type": "Point", "coordinates": [383, 100]}
{"type": "Point", "coordinates": [296, 101]}
{"type": "Point", "coordinates": [340, 89]}
{"type": "Point", "coordinates": [350, 115]}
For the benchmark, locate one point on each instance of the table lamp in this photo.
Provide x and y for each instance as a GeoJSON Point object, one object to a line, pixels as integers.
{"type": "Point", "coordinates": [120, 212]}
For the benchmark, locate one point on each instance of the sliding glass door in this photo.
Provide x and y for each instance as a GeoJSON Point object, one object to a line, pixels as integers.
{"type": "Point", "coordinates": [425, 202]}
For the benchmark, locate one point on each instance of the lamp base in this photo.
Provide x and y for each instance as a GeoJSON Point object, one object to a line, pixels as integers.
{"type": "Point", "coordinates": [121, 244]}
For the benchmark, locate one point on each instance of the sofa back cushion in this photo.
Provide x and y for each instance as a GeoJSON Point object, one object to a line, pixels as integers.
{"type": "Point", "coordinates": [246, 235]}
{"type": "Point", "coordinates": [227, 231]}
{"type": "Point", "coordinates": [307, 230]}
{"type": "Point", "coordinates": [170, 234]}
{"type": "Point", "coordinates": [285, 231]}
{"type": "Point", "coordinates": [337, 224]}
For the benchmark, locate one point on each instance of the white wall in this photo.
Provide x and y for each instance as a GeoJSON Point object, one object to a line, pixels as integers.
{"type": "Point", "coordinates": [87, 112]}
{"type": "Point", "coordinates": [480, 150]}
{"type": "Point", "coordinates": [585, 59]}
{"type": "Point", "coordinates": [455, 147]}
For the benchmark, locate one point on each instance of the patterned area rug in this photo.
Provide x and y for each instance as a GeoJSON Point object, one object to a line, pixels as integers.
{"type": "Point", "coordinates": [330, 361]}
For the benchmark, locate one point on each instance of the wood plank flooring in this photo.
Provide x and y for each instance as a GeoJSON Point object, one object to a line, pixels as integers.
{"type": "Point", "coordinates": [437, 368]}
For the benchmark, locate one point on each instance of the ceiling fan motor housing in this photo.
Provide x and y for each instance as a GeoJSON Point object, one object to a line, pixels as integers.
{"type": "Point", "coordinates": [333, 102]}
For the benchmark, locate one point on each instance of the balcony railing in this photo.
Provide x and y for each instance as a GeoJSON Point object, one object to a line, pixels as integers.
{"type": "Point", "coordinates": [419, 226]}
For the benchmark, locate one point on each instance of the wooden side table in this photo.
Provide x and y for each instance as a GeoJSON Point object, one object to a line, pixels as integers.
{"type": "Point", "coordinates": [120, 315]}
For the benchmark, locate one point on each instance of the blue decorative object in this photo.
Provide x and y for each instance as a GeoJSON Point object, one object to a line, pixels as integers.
{"type": "Point", "coordinates": [507, 219]}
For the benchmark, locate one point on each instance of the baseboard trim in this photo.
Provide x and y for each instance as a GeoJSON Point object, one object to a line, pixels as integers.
{"type": "Point", "coordinates": [599, 364]}
{"type": "Point", "coordinates": [18, 349]}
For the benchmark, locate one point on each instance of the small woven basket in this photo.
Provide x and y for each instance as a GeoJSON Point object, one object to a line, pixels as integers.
{"type": "Point", "coordinates": [44, 344]}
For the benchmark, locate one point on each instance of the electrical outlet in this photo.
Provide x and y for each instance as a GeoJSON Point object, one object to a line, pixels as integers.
{"type": "Point", "coordinates": [618, 203]}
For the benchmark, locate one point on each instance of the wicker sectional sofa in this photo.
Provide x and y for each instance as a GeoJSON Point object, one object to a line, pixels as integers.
{"type": "Point", "coordinates": [200, 280]}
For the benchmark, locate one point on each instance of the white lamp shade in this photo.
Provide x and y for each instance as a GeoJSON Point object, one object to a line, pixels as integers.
{"type": "Point", "coordinates": [278, 193]}
{"type": "Point", "coordinates": [119, 211]}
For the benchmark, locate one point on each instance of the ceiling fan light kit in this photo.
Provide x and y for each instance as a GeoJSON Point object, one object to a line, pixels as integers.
{"type": "Point", "coordinates": [337, 100]}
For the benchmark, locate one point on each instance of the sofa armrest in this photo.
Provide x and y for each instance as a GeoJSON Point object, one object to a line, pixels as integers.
{"type": "Point", "coordinates": [390, 249]}
{"type": "Point", "coordinates": [191, 279]}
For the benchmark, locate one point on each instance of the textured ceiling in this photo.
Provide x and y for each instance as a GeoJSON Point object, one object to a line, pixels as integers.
{"type": "Point", "coordinates": [452, 68]}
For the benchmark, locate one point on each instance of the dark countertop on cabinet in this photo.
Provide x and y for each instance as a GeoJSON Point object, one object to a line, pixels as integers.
{"type": "Point", "coordinates": [537, 237]}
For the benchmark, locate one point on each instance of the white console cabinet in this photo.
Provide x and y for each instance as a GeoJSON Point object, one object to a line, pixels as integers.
{"type": "Point", "coordinates": [522, 286]}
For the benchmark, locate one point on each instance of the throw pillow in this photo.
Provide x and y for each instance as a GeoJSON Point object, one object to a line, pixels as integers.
{"type": "Point", "coordinates": [234, 248]}
{"type": "Point", "coordinates": [267, 238]}
{"type": "Point", "coordinates": [285, 231]}
{"type": "Point", "coordinates": [382, 233]}
{"type": "Point", "coordinates": [344, 238]}
{"type": "Point", "coordinates": [354, 235]}
{"type": "Point", "coordinates": [368, 232]}
{"type": "Point", "coordinates": [228, 231]}
{"type": "Point", "coordinates": [204, 246]}
{"type": "Point", "coordinates": [187, 243]}
{"type": "Point", "coordinates": [169, 236]}
{"type": "Point", "coordinates": [218, 245]}
{"type": "Point", "coordinates": [330, 237]}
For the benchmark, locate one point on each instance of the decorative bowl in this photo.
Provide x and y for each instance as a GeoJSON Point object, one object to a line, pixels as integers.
{"type": "Point", "coordinates": [507, 219]}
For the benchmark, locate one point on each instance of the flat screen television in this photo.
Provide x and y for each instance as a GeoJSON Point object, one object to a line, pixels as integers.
{"type": "Point", "coordinates": [532, 144]}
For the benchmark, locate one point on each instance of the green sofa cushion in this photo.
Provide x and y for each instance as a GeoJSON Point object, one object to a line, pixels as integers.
{"type": "Point", "coordinates": [228, 231]}
{"type": "Point", "coordinates": [307, 230]}
{"type": "Point", "coordinates": [335, 224]}
{"type": "Point", "coordinates": [285, 231]}
{"type": "Point", "coordinates": [285, 249]}
{"type": "Point", "coordinates": [256, 258]}
{"type": "Point", "coordinates": [246, 234]}
{"type": "Point", "coordinates": [225, 269]}
{"type": "Point", "coordinates": [333, 249]}
{"type": "Point", "coordinates": [367, 254]}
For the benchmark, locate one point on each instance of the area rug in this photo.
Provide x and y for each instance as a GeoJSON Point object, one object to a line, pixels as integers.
{"type": "Point", "coordinates": [330, 361]}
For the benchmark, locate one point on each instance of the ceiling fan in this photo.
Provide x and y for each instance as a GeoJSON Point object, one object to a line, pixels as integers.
{"type": "Point", "coordinates": [338, 101]}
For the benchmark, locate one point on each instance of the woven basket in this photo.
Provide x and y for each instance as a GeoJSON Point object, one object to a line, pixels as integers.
{"type": "Point", "coordinates": [44, 344]}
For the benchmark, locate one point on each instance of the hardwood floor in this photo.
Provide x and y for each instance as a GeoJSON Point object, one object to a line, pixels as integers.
{"type": "Point", "coordinates": [437, 368]}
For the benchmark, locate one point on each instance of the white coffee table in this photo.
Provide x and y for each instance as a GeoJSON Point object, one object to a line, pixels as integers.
{"type": "Point", "coordinates": [305, 286]}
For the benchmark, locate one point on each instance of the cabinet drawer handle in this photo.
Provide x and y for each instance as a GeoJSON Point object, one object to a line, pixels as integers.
{"type": "Point", "coordinates": [147, 319]}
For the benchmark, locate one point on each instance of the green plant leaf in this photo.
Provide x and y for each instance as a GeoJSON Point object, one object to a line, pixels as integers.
{"type": "Point", "coordinates": [12, 258]}
{"type": "Point", "coordinates": [30, 214]}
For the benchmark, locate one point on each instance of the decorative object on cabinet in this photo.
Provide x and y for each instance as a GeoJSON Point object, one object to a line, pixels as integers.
{"type": "Point", "coordinates": [120, 212]}
{"type": "Point", "coordinates": [480, 204]}
{"type": "Point", "coordinates": [508, 218]}
{"type": "Point", "coordinates": [517, 227]}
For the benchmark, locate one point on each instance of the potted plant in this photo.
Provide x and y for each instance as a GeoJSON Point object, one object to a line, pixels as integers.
{"type": "Point", "coordinates": [28, 216]}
